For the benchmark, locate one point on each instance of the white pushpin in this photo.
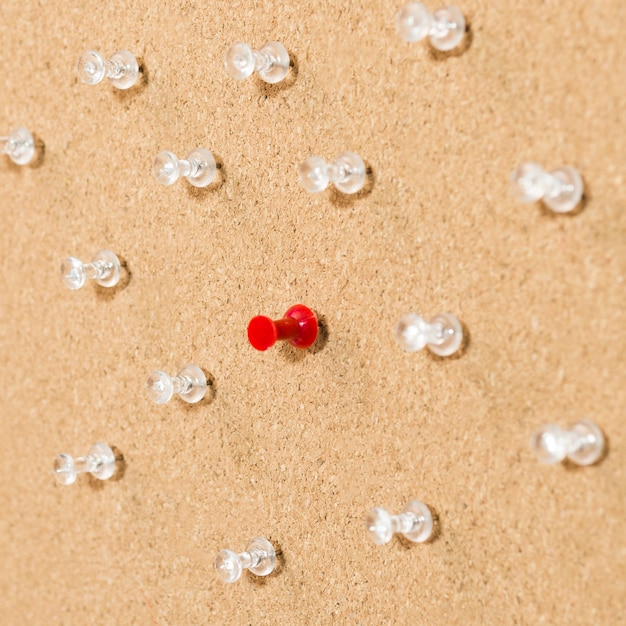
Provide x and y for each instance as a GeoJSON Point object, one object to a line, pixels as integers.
{"type": "Point", "coordinates": [582, 443]}
{"type": "Point", "coordinates": [99, 462]}
{"type": "Point", "coordinates": [415, 523]}
{"type": "Point", "coordinates": [198, 167]}
{"type": "Point", "coordinates": [445, 27]}
{"type": "Point", "coordinates": [346, 172]}
{"type": "Point", "coordinates": [19, 146]}
{"type": "Point", "coordinates": [105, 269]}
{"type": "Point", "coordinates": [443, 335]}
{"type": "Point", "coordinates": [271, 61]}
{"type": "Point", "coordinates": [561, 190]}
{"type": "Point", "coordinates": [121, 68]}
{"type": "Point", "coordinates": [259, 557]}
{"type": "Point", "coordinates": [190, 384]}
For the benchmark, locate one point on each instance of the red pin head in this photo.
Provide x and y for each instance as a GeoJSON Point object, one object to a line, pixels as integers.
{"type": "Point", "coordinates": [298, 327]}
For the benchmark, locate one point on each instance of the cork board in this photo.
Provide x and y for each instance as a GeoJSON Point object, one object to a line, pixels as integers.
{"type": "Point", "coordinates": [297, 446]}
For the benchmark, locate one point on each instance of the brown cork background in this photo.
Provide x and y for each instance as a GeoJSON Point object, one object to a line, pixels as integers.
{"type": "Point", "coordinates": [297, 446]}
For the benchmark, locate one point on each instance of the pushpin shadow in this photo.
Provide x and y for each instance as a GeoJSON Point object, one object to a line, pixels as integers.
{"type": "Point", "coordinates": [40, 152]}
{"type": "Point", "coordinates": [143, 73]}
{"type": "Point", "coordinates": [322, 335]}
{"type": "Point", "coordinates": [14, 167]}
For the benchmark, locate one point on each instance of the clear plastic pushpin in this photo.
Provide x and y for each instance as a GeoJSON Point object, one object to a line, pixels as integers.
{"type": "Point", "coordinates": [259, 557]}
{"type": "Point", "coordinates": [105, 269]}
{"type": "Point", "coordinates": [443, 335]}
{"type": "Point", "coordinates": [582, 443]}
{"type": "Point", "coordinates": [190, 384]}
{"type": "Point", "coordinates": [99, 462]}
{"type": "Point", "coordinates": [271, 61]}
{"type": "Point", "coordinates": [121, 68]}
{"type": "Point", "coordinates": [198, 168]}
{"type": "Point", "coordinates": [561, 190]}
{"type": "Point", "coordinates": [19, 145]}
{"type": "Point", "coordinates": [415, 523]}
{"type": "Point", "coordinates": [445, 27]}
{"type": "Point", "coordinates": [346, 172]}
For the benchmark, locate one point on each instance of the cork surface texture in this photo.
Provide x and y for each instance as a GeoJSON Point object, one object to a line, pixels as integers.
{"type": "Point", "coordinates": [296, 446]}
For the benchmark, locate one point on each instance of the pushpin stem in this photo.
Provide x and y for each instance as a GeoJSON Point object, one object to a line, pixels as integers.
{"type": "Point", "coordinates": [576, 441]}
{"type": "Point", "coordinates": [114, 69]}
{"type": "Point", "coordinates": [337, 172]}
{"type": "Point", "coordinates": [437, 333]}
{"type": "Point", "coordinates": [263, 62]}
{"type": "Point", "coordinates": [181, 384]}
{"type": "Point", "coordinates": [298, 327]}
{"type": "Point", "coordinates": [190, 168]}
{"type": "Point", "coordinates": [556, 187]}
{"type": "Point", "coordinates": [441, 28]}
{"type": "Point", "coordinates": [406, 522]}
{"type": "Point", "coordinates": [89, 463]}
{"type": "Point", "coordinates": [286, 328]}
{"type": "Point", "coordinates": [97, 269]}
{"type": "Point", "coordinates": [251, 558]}
{"type": "Point", "coordinates": [186, 168]}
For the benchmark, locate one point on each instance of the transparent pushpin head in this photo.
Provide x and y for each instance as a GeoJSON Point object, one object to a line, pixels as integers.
{"type": "Point", "coordinates": [582, 443]}
{"type": "Point", "coordinates": [415, 523]}
{"type": "Point", "coordinates": [443, 335]}
{"type": "Point", "coordinates": [271, 61]}
{"type": "Point", "coordinates": [199, 167]}
{"type": "Point", "coordinates": [259, 557]}
{"type": "Point", "coordinates": [445, 27]}
{"type": "Point", "coordinates": [121, 68]}
{"type": "Point", "coordinates": [105, 269]}
{"type": "Point", "coordinates": [560, 190]}
{"type": "Point", "coordinates": [190, 384]}
{"type": "Point", "coordinates": [346, 172]}
{"type": "Point", "coordinates": [19, 146]}
{"type": "Point", "coordinates": [99, 462]}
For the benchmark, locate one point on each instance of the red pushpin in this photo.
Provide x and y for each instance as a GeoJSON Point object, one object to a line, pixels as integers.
{"type": "Point", "coordinates": [298, 327]}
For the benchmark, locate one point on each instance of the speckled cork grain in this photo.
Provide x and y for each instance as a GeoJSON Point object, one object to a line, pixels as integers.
{"type": "Point", "coordinates": [297, 446]}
